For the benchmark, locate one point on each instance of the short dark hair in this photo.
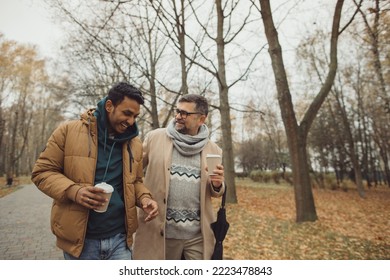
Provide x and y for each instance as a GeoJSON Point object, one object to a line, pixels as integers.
{"type": "Point", "coordinates": [201, 104]}
{"type": "Point", "coordinates": [119, 91]}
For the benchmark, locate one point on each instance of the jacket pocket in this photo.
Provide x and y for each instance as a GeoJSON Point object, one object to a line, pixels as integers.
{"type": "Point", "coordinates": [68, 221]}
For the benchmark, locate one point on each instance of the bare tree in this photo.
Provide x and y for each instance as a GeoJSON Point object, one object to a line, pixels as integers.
{"type": "Point", "coordinates": [375, 35]}
{"type": "Point", "coordinates": [173, 18]}
{"type": "Point", "coordinates": [340, 102]}
{"type": "Point", "coordinates": [120, 42]}
{"type": "Point", "coordinates": [297, 133]}
{"type": "Point", "coordinates": [356, 104]}
{"type": "Point", "coordinates": [226, 32]}
{"type": "Point", "coordinates": [307, 51]}
{"type": "Point", "coordinates": [374, 32]}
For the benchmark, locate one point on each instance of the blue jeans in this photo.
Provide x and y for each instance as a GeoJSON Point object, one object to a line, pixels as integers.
{"type": "Point", "coordinates": [112, 248]}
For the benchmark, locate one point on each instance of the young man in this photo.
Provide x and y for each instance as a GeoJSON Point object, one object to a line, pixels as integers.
{"type": "Point", "coordinates": [176, 172]}
{"type": "Point", "coordinates": [103, 146]}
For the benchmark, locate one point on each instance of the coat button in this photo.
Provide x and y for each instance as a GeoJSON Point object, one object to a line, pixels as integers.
{"type": "Point", "coordinates": [165, 201]}
{"type": "Point", "coordinates": [162, 233]}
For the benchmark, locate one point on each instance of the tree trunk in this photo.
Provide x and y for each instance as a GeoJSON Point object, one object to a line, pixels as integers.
{"type": "Point", "coordinates": [387, 172]}
{"type": "Point", "coordinates": [152, 89]}
{"type": "Point", "coordinates": [374, 35]}
{"type": "Point", "coordinates": [385, 159]}
{"type": "Point", "coordinates": [351, 143]}
{"type": "Point", "coordinates": [180, 26]}
{"type": "Point", "coordinates": [2, 126]}
{"type": "Point", "coordinates": [304, 201]}
{"type": "Point", "coordinates": [227, 146]}
{"type": "Point", "coordinates": [297, 135]}
{"type": "Point", "coordinates": [12, 156]}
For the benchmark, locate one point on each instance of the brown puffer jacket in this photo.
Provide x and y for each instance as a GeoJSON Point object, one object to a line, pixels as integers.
{"type": "Point", "coordinates": [67, 164]}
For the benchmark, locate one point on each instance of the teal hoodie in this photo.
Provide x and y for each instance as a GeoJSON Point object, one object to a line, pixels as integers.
{"type": "Point", "coordinates": [109, 169]}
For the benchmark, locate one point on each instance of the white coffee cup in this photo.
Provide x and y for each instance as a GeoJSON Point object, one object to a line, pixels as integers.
{"type": "Point", "coordinates": [212, 162]}
{"type": "Point", "coordinates": [108, 189]}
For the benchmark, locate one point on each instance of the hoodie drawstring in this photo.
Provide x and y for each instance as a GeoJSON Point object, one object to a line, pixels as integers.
{"type": "Point", "coordinates": [108, 162]}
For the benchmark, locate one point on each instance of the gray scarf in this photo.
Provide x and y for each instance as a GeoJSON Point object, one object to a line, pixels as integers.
{"type": "Point", "coordinates": [187, 144]}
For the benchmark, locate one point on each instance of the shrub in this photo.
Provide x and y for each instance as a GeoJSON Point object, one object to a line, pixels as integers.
{"type": "Point", "coordinates": [256, 175]}
{"type": "Point", "coordinates": [270, 176]}
{"type": "Point", "coordinates": [287, 176]}
{"type": "Point", "coordinates": [276, 176]}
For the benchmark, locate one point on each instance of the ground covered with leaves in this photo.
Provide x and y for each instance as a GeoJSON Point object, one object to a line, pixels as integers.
{"type": "Point", "coordinates": [262, 225]}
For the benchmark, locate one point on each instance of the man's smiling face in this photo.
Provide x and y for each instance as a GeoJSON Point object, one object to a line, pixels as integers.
{"type": "Point", "coordinates": [123, 115]}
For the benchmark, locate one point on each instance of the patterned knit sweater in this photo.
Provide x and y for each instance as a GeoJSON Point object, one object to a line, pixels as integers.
{"type": "Point", "coordinates": [183, 212]}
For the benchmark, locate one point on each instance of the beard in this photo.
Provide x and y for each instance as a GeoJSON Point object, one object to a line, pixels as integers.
{"type": "Point", "coordinates": [181, 127]}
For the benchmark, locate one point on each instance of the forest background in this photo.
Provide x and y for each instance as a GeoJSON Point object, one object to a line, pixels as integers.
{"type": "Point", "coordinates": [223, 50]}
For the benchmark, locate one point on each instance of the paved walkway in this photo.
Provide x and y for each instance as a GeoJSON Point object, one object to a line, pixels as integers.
{"type": "Point", "coordinates": [25, 226]}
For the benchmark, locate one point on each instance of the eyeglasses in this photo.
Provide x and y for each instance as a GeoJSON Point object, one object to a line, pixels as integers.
{"type": "Point", "coordinates": [185, 114]}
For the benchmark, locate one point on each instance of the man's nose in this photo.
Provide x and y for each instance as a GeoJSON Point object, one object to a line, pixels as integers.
{"type": "Point", "coordinates": [178, 116]}
{"type": "Point", "coordinates": [130, 121]}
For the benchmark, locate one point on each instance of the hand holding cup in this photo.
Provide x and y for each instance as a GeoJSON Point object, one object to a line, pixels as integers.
{"type": "Point", "coordinates": [108, 190]}
{"type": "Point", "coordinates": [215, 169]}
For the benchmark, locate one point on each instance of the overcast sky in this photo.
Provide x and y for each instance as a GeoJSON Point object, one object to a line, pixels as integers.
{"type": "Point", "coordinates": [27, 21]}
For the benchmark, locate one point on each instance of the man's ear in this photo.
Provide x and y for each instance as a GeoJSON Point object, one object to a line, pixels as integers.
{"type": "Point", "coordinates": [109, 106]}
{"type": "Point", "coordinates": [203, 119]}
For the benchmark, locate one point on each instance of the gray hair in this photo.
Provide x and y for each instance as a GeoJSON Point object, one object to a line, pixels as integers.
{"type": "Point", "coordinates": [201, 103]}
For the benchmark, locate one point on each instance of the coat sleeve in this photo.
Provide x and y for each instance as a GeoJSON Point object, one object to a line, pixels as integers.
{"type": "Point", "coordinates": [47, 173]}
{"type": "Point", "coordinates": [141, 191]}
{"type": "Point", "coordinates": [145, 147]}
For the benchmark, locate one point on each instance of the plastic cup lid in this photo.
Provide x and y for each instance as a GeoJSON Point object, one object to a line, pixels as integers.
{"type": "Point", "coordinates": [106, 187]}
{"type": "Point", "coordinates": [212, 155]}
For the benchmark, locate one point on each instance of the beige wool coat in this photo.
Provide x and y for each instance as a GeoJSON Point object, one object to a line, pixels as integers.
{"type": "Point", "coordinates": [67, 164]}
{"type": "Point", "coordinates": [149, 240]}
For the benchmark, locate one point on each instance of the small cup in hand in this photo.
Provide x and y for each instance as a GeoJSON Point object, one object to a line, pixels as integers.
{"type": "Point", "coordinates": [108, 189]}
{"type": "Point", "coordinates": [212, 162]}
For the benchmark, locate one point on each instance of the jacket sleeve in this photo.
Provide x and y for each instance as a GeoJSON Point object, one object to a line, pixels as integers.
{"type": "Point", "coordinates": [214, 192]}
{"type": "Point", "coordinates": [141, 191]}
{"type": "Point", "coordinates": [47, 173]}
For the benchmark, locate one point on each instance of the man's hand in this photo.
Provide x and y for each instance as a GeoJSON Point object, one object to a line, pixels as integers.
{"type": "Point", "coordinates": [218, 177]}
{"type": "Point", "coordinates": [91, 197]}
{"type": "Point", "coordinates": [150, 207]}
